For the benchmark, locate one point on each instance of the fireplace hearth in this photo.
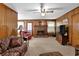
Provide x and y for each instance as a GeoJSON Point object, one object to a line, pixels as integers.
{"type": "Point", "coordinates": [41, 30]}
{"type": "Point", "coordinates": [40, 33]}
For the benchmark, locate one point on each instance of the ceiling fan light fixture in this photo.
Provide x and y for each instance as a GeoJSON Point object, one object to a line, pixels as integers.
{"type": "Point", "coordinates": [43, 14]}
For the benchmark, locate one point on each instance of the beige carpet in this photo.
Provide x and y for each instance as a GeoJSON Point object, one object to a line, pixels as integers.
{"type": "Point", "coordinates": [38, 46]}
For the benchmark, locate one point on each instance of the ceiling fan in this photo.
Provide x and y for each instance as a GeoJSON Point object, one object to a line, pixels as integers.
{"type": "Point", "coordinates": [44, 11]}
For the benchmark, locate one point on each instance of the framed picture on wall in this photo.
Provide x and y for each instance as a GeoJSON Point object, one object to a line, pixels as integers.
{"type": "Point", "coordinates": [65, 21]}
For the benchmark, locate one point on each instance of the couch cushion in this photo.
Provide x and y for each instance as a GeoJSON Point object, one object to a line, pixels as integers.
{"type": "Point", "coordinates": [0, 50]}
{"type": "Point", "coordinates": [15, 42]}
{"type": "Point", "coordinates": [4, 43]}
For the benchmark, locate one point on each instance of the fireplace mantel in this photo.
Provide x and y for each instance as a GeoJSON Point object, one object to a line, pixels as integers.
{"type": "Point", "coordinates": [40, 28]}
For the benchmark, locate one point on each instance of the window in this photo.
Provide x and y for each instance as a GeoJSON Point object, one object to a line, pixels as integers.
{"type": "Point", "coordinates": [29, 27]}
{"type": "Point", "coordinates": [51, 26]}
{"type": "Point", "coordinates": [20, 26]}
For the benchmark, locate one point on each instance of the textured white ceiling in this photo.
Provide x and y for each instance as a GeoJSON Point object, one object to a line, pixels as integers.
{"type": "Point", "coordinates": [23, 14]}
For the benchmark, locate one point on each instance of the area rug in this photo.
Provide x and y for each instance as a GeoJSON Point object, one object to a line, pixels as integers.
{"type": "Point", "coordinates": [51, 54]}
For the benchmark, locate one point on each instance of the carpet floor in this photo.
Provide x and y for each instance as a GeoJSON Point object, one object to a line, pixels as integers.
{"type": "Point", "coordinates": [38, 46]}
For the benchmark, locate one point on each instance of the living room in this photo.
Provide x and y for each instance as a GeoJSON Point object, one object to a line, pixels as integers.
{"type": "Point", "coordinates": [40, 27]}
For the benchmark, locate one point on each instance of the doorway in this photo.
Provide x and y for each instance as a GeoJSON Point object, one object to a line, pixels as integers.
{"type": "Point", "coordinates": [29, 27]}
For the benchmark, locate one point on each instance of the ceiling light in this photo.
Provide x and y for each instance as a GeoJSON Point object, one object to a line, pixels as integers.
{"type": "Point", "coordinates": [43, 14]}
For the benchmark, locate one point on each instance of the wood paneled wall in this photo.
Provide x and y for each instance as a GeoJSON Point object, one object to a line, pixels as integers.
{"type": "Point", "coordinates": [73, 24]}
{"type": "Point", "coordinates": [8, 21]}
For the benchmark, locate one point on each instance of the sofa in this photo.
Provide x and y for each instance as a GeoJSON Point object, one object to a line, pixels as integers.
{"type": "Point", "coordinates": [13, 46]}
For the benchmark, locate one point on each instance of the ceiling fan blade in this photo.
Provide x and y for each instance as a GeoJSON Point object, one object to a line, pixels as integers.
{"type": "Point", "coordinates": [31, 10]}
{"type": "Point", "coordinates": [55, 8]}
{"type": "Point", "coordinates": [49, 11]}
{"type": "Point", "coordinates": [36, 11]}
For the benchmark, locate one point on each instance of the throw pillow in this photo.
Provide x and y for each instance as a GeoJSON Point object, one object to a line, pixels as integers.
{"type": "Point", "coordinates": [15, 42]}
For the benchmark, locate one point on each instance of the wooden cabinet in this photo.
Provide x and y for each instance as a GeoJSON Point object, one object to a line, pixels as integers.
{"type": "Point", "coordinates": [59, 38]}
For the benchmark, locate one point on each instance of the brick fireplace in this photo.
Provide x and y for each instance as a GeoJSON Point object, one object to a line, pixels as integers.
{"type": "Point", "coordinates": [41, 30]}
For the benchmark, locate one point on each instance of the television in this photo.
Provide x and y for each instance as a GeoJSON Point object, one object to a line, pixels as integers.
{"type": "Point", "coordinates": [62, 29]}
